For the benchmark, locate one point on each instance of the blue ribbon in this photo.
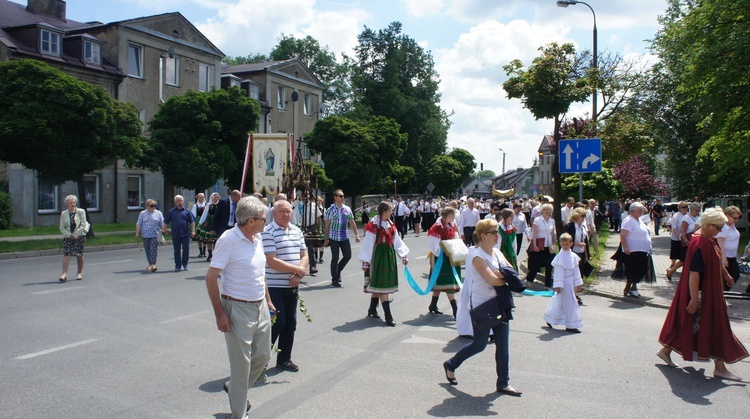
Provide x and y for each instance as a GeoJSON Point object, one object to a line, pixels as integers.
{"type": "Point", "coordinates": [433, 277]}
{"type": "Point", "coordinates": [545, 293]}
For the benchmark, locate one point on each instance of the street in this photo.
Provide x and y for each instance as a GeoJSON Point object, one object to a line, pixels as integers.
{"type": "Point", "coordinates": [129, 343]}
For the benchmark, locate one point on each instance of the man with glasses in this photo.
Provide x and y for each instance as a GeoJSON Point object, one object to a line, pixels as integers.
{"type": "Point", "coordinates": [183, 229]}
{"type": "Point", "coordinates": [243, 303]}
{"type": "Point", "coordinates": [337, 217]}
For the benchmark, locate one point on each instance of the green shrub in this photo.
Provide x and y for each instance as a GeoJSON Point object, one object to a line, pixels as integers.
{"type": "Point", "coordinates": [6, 207]}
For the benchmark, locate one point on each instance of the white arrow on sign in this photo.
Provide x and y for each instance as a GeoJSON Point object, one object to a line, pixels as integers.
{"type": "Point", "coordinates": [568, 151]}
{"type": "Point", "coordinates": [593, 158]}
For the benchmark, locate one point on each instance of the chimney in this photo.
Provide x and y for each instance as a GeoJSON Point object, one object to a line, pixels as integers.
{"type": "Point", "coordinates": [51, 8]}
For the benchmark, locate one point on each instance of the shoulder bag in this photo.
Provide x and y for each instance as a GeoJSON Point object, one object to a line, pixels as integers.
{"type": "Point", "coordinates": [159, 236]}
{"type": "Point", "coordinates": [488, 314]}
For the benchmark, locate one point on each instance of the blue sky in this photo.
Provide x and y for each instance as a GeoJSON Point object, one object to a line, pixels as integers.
{"type": "Point", "coordinates": [470, 41]}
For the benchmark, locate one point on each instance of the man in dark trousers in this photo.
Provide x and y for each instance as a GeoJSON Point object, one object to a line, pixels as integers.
{"type": "Point", "coordinates": [183, 229]}
{"type": "Point", "coordinates": [224, 215]}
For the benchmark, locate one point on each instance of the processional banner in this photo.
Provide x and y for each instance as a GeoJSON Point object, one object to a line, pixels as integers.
{"type": "Point", "coordinates": [270, 154]}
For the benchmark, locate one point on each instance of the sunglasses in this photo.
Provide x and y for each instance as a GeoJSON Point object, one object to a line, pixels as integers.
{"type": "Point", "coordinates": [152, 206]}
{"type": "Point", "coordinates": [338, 196]}
{"type": "Point", "coordinates": [683, 207]}
{"type": "Point", "coordinates": [260, 219]}
{"type": "Point", "coordinates": [495, 232]}
{"type": "Point", "coordinates": [718, 227]}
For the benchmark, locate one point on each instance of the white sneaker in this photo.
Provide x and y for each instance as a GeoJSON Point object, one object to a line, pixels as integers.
{"type": "Point", "coordinates": [635, 293]}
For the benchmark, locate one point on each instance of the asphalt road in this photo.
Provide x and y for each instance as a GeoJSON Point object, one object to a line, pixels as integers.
{"type": "Point", "coordinates": [127, 343]}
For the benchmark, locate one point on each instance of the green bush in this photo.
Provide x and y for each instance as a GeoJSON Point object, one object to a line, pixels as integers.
{"type": "Point", "coordinates": [6, 207]}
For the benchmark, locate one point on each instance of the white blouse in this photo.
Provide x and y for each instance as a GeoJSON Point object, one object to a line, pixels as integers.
{"type": "Point", "coordinates": [368, 244]}
{"type": "Point", "coordinates": [480, 290]}
{"type": "Point", "coordinates": [731, 240]}
{"type": "Point", "coordinates": [638, 238]}
{"type": "Point", "coordinates": [544, 230]}
{"type": "Point", "coordinates": [675, 224]}
{"type": "Point", "coordinates": [692, 223]}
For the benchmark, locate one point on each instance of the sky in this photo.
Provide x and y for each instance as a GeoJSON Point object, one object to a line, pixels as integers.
{"type": "Point", "coordinates": [470, 41]}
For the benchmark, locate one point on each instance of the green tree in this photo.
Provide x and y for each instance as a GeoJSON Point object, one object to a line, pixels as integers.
{"type": "Point", "coordinates": [199, 138]}
{"type": "Point", "coordinates": [466, 159]}
{"type": "Point", "coordinates": [248, 59]}
{"type": "Point", "coordinates": [699, 96]}
{"type": "Point", "coordinates": [349, 153]}
{"type": "Point", "coordinates": [485, 174]}
{"type": "Point", "coordinates": [63, 127]}
{"type": "Point", "coordinates": [445, 173]}
{"type": "Point", "coordinates": [322, 62]}
{"type": "Point", "coordinates": [395, 77]}
{"type": "Point", "coordinates": [600, 186]}
{"type": "Point", "coordinates": [556, 79]}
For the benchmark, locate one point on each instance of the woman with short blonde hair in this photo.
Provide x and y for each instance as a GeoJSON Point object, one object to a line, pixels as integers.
{"type": "Point", "coordinates": [150, 222]}
{"type": "Point", "coordinates": [729, 242]}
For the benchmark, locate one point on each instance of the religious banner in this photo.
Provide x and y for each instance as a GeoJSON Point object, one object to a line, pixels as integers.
{"type": "Point", "coordinates": [270, 154]}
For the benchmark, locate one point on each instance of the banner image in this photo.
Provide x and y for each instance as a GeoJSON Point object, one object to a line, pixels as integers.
{"type": "Point", "coordinates": [270, 154]}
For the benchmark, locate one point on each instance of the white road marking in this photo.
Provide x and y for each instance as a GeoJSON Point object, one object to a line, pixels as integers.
{"type": "Point", "coordinates": [189, 316]}
{"type": "Point", "coordinates": [319, 283]}
{"type": "Point", "coordinates": [57, 290]}
{"type": "Point", "coordinates": [56, 349]}
{"type": "Point", "coordinates": [109, 263]}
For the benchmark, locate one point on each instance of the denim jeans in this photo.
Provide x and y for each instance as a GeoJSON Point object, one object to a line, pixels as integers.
{"type": "Point", "coordinates": [336, 266]}
{"type": "Point", "coordinates": [182, 243]}
{"type": "Point", "coordinates": [477, 345]}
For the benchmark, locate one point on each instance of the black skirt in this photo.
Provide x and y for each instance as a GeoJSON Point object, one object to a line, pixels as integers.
{"type": "Point", "coordinates": [675, 250]}
{"type": "Point", "coordinates": [636, 266]}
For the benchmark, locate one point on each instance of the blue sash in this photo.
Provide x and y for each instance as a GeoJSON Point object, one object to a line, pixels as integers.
{"type": "Point", "coordinates": [433, 277]}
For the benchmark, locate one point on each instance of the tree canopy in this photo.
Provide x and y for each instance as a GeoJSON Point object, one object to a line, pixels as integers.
{"type": "Point", "coordinates": [394, 77]}
{"type": "Point", "coordinates": [199, 138]}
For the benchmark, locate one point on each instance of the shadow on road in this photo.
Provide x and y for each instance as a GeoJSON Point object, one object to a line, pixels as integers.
{"type": "Point", "coordinates": [692, 385]}
{"type": "Point", "coordinates": [462, 404]}
{"type": "Point", "coordinates": [624, 305]}
{"type": "Point", "coordinates": [31, 284]}
{"type": "Point", "coordinates": [360, 324]}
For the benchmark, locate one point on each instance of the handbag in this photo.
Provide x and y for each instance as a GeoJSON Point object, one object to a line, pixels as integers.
{"type": "Point", "coordinates": [456, 251]}
{"type": "Point", "coordinates": [486, 315]}
{"type": "Point", "coordinates": [160, 237]}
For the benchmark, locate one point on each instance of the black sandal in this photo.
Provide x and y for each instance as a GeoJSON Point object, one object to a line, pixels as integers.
{"type": "Point", "coordinates": [448, 368]}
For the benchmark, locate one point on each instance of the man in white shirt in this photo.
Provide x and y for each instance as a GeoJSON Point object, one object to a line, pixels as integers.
{"type": "Point", "coordinates": [566, 210]}
{"type": "Point", "coordinates": [242, 305]}
{"type": "Point", "coordinates": [468, 222]}
{"type": "Point", "coordinates": [401, 211]}
{"type": "Point", "coordinates": [591, 224]}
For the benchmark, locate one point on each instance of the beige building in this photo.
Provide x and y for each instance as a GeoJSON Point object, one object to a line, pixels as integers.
{"type": "Point", "coordinates": [143, 61]}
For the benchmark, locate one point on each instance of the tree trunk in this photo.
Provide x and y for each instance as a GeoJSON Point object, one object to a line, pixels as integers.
{"type": "Point", "coordinates": [84, 205]}
{"type": "Point", "coordinates": [557, 182]}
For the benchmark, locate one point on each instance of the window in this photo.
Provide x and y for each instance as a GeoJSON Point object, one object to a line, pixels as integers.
{"type": "Point", "coordinates": [92, 52]}
{"type": "Point", "coordinates": [280, 99]}
{"type": "Point", "coordinates": [255, 92]}
{"type": "Point", "coordinates": [91, 189]}
{"type": "Point", "coordinates": [206, 77]}
{"type": "Point", "coordinates": [135, 200]}
{"type": "Point", "coordinates": [50, 42]}
{"type": "Point", "coordinates": [306, 104]}
{"type": "Point", "coordinates": [135, 61]}
{"type": "Point", "coordinates": [173, 71]}
{"type": "Point", "coordinates": [48, 197]}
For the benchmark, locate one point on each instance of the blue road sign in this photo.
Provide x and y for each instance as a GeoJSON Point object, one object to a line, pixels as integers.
{"type": "Point", "coordinates": [581, 155]}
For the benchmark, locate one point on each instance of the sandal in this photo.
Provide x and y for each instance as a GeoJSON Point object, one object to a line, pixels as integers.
{"type": "Point", "coordinates": [79, 277]}
{"type": "Point", "coordinates": [313, 271]}
{"type": "Point", "coordinates": [64, 278]}
{"type": "Point", "coordinates": [669, 276]}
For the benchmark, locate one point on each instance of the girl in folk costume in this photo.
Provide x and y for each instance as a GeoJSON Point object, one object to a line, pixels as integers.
{"type": "Point", "coordinates": [444, 229]}
{"type": "Point", "coordinates": [563, 308]}
{"type": "Point", "coordinates": [378, 256]}
{"type": "Point", "coordinates": [507, 236]}
{"type": "Point", "coordinates": [204, 226]}
{"type": "Point", "coordinates": [197, 210]}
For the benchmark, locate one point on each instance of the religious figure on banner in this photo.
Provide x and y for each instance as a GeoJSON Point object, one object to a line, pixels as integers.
{"type": "Point", "coordinates": [270, 157]}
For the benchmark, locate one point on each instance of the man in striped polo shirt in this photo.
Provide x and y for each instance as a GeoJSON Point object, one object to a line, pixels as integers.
{"type": "Point", "coordinates": [286, 265]}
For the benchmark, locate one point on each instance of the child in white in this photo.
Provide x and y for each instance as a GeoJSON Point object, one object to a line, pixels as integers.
{"type": "Point", "coordinates": [563, 308]}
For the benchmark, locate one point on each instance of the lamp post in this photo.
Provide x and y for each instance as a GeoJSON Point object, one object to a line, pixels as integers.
{"type": "Point", "coordinates": [395, 192]}
{"type": "Point", "coordinates": [501, 150]}
{"type": "Point", "coordinates": [595, 63]}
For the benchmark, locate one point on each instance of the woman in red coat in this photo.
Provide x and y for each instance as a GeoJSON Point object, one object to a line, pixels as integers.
{"type": "Point", "coordinates": [697, 324]}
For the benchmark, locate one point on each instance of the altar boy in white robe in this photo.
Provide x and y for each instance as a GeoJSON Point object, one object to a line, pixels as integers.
{"type": "Point", "coordinates": [563, 308]}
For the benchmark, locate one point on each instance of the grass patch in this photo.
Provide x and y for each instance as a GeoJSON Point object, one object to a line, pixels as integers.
{"type": "Point", "coordinates": [597, 258]}
{"type": "Point", "coordinates": [44, 231]}
{"type": "Point", "coordinates": [51, 244]}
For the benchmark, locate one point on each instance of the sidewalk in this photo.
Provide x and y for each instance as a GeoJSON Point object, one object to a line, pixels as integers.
{"type": "Point", "coordinates": [660, 293]}
{"type": "Point", "coordinates": [58, 251]}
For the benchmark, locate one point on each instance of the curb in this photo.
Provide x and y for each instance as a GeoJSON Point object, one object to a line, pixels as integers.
{"type": "Point", "coordinates": [54, 252]}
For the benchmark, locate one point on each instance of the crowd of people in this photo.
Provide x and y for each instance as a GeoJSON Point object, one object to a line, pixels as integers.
{"type": "Point", "coordinates": [260, 252]}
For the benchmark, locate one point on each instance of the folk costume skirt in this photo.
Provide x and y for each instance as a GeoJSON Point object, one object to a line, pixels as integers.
{"type": "Point", "coordinates": [383, 274]}
{"type": "Point", "coordinates": [203, 231]}
{"type": "Point", "coordinates": [446, 281]}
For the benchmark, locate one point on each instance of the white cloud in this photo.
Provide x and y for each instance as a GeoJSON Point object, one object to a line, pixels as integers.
{"type": "Point", "coordinates": [472, 77]}
{"type": "Point", "coordinates": [422, 8]}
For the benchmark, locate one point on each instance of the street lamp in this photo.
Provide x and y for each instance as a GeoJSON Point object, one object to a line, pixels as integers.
{"type": "Point", "coordinates": [501, 150]}
{"type": "Point", "coordinates": [395, 192]}
{"type": "Point", "coordinates": [595, 64]}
